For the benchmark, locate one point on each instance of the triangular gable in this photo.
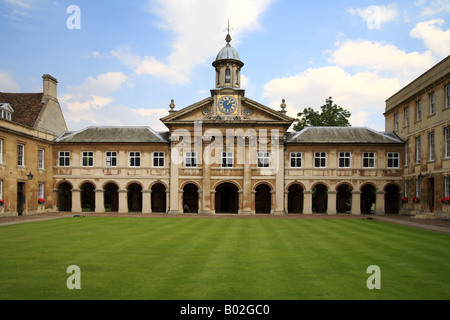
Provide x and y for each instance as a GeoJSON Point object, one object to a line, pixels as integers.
{"type": "Point", "coordinates": [251, 111]}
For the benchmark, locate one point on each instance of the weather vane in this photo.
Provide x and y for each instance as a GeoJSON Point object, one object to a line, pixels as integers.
{"type": "Point", "coordinates": [228, 38]}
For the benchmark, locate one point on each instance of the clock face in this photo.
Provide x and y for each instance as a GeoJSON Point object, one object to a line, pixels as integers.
{"type": "Point", "coordinates": [227, 105]}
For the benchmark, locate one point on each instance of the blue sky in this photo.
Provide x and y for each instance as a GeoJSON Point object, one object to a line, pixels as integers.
{"type": "Point", "coordinates": [128, 59]}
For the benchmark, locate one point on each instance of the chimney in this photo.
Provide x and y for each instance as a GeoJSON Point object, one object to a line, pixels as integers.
{"type": "Point", "coordinates": [50, 85]}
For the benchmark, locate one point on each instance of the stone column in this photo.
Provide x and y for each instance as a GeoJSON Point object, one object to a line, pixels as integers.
{"type": "Point", "coordinates": [247, 185]}
{"type": "Point", "coordinates": [55, 200]}
{"type": "Point", "coordinates": [379, 205]}
{"type": "Point", "coordinates": [213, 202]}
{"type": "Point", "coordinates": [174, 190]}
{"type": "Point", "coordinates": [99, 201]}
{"type": "Point", "coordinates": [123, 201]}
{"type": "Point", "coordinates": [356, 202]}
{"type": "Point", "coordinates": [76, 200]}
{"type": "Point", "coordinates": [279, 172]}
{"type": "Point", "coordinates": [331, 202]}
{"type": "Point", "coordinates": [146, 201]}
{"type": "Point", "coordinates": [206, 194]}
{"type": "Point", "coordinates": [307, 202]}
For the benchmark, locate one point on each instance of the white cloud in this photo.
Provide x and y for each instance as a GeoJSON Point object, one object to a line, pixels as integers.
{"type": "Point", "coordinates": [196, 36]}
{"type": "Point", "coordinates": [434, 38]}
{"type": "Point", "coordinates": [379, 57]}
{"type": "Point", "coordinates": [360, 93]}
{"type": "Point", "coordinates": [376, 15]}
{"type": "Point", "coordinates": [433, 8]}
{"type": "Point", "coordinates": [7, 83]}
{"type": "Point", "coordinates": [80, 102]}
{"type": "Point", "coordinates": [362, 75]}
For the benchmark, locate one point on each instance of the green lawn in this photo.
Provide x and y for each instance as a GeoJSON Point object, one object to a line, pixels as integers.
{"type": "Point", "coordinates": [210, 259]}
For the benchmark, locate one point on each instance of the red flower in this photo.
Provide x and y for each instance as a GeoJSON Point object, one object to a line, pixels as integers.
{"type": "Point", "coordinates": [2, 201]}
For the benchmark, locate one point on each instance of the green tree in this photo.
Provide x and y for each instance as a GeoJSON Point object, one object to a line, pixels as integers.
{"type": "Point", "coordinates": [331, 115]}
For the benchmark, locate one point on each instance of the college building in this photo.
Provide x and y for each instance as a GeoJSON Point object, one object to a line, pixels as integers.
{"type": "Point", "coordinates": [228, 154]}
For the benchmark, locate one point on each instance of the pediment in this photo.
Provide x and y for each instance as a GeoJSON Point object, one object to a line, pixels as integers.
{"type": "Point", "coordinates": [250, 112]}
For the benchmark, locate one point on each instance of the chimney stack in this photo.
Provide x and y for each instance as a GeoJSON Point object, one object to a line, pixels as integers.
{"type": "Point", "coordinates": [50, 85]}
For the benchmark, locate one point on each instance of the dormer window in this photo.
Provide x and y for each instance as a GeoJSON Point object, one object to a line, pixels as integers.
{"type": "Point", "coordinates": [5, 111]}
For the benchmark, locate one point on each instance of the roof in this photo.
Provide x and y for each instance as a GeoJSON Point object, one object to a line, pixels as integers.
{"type": "Point", "coordinates": [113, 135]}
{"type": "Point", "coordinates": [228, 52]}
{"type": "Point", "coordinates": [26, 106]}
{"type": "Point", "coordinates": [342, 135]}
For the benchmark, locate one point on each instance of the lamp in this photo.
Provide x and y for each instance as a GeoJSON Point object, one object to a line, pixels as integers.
{"type": "Point", "coordinates": [30, 176]}
{"type": "Point", "coordinates": [420, 177]}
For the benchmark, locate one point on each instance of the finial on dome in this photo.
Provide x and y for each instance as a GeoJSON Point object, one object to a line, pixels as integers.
{"type": "Point", "coordinates": [228, 37]}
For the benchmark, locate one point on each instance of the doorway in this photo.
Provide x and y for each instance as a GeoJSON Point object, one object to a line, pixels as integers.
{"type": "Point", "coordinates": [20, 197]}
{"type": "Point", "coordinates": [431, 194]}
{"type": "Point", "coordinates": [227, 198]}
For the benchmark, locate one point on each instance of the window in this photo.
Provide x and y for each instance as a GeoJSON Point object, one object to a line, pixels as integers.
{"type": "Point", "coordinates": [369, 159]}
{"type": "Point", "coordinates": [135, 159]}
{"type": "Point", "coordinates": [396, 122]}
{"type": "Point", "coordinates": [431, 97]}
{"type": "Point", "coordinates": [406, 117]}
{"type": "Point", "coordinates": [418, 150]}
{"type": "Point", "coordinates": [227, 75]}
{"type": "Point", "coordinates": [447, 187]}
{"type": "Point", "coordinates": [320, 159]}
{"type": "Point", "coordinates": [227, 159]}
{"type": "Point", "coordinates": [191, 159]}
{"type": "Point", "coordinates": [407, 153]}
{"type": "Point", "coordinates": [64, 159]}
{"type": "Point", "coordinates": [20, 155]}
{"type": "Point", "coordinates": [263, 159]}
{"type": "Point", "coordinates": [344, 159]}
{"type": "Point", "coordinates": [40, 191]}
{"type": "Point", "coordinates": [158, 159]}
{"type": "Point", "coordinates": [88, 158]}
{"type": "Point", "coordinates": [296, 159]}
{"type": "Point", "coordinates": [431, 145]}
{"type": "Point", "coordinates": [447, 96]}
{"type": "Point", "coordinates": [41, 159]}
{"type": "Point", "coordinates": [447, 142]}
{"type": "Point", "coordinates": [1, 150]}
{"type": "Point", "coordinates": [111, 158]}
{"type": "Point", "coordinates": [393, 159]}
{"type": "Point", "coordinates": [419, 110]}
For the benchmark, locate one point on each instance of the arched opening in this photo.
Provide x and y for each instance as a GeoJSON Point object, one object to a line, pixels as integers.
{"type": "Point", "coordinates": [134, 197]}
{"type": "Point", "coordinates": [227, 75]}
{"type": "Point", "coordinates": [368, 199]}
{"type": "Point", "coordinates": [392, 199]}
{"type": "Point", "coordinates": [190, 198]}
{"type": "Point", "coordinates": [320, 199]}
{"type": "Point", "coordinates": [344, 199]}
{"type": "Point", "coordinates": [111, 197]}
{"type": "Point", "coordinates": [88, 197]}
{"type": "Point", "coordinates": [227, 198]}
{"type": "Point", "coordinates": [263, 199]}
{"type": "Point", "coordinates": [65, 197]}
{"type": "Point", "coordinates": [295, 199]}
{"type": "Point", "coordinates": [158, 198]}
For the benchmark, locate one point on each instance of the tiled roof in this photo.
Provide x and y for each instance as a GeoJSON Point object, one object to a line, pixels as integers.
{"type": "Point", "coordinates": [342, 135]}
{"type": "Point", "coordinates": [27, 106]}
{"type": "Point", "coordinates": [112, 135]}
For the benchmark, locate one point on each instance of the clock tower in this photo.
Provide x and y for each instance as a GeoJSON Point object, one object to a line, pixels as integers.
{"type": "Point", "coordinates": [228, 93]}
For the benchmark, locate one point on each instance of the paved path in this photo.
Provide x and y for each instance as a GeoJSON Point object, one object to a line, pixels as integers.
{"type": "Point", "coordinates": [436, 225]}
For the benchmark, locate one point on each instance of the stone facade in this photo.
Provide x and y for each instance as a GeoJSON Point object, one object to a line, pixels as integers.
{"type": "Point", "coordinates": [225, 154]}
{"type": "Point", "coordinates": [420, 115]}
